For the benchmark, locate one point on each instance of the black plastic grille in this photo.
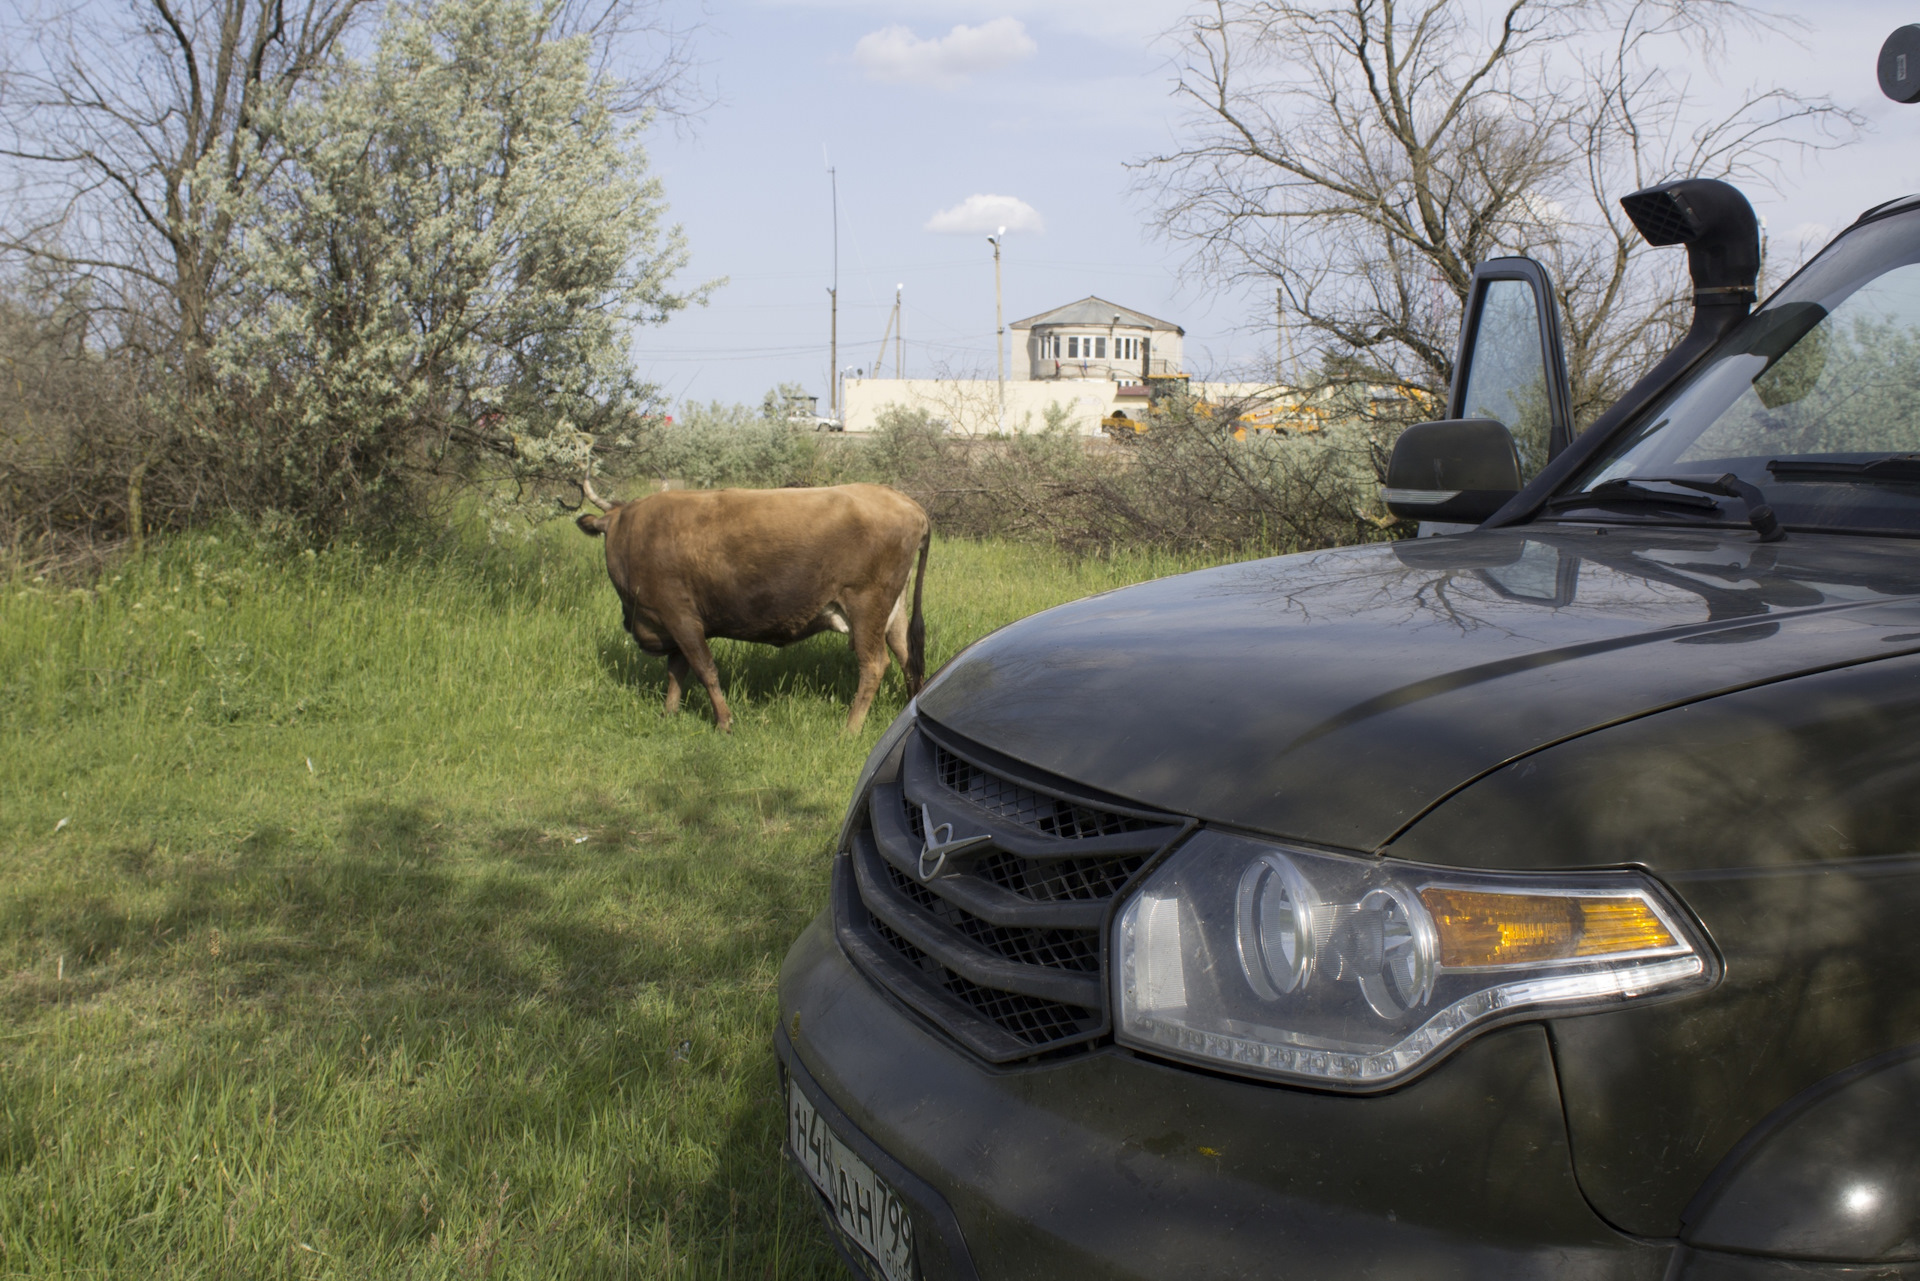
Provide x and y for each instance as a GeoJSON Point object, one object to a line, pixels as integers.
{"type": "Point", "coordinates": [1027, 807]}
{"type": "Point", "coordinates": [1058, 880]}
{"type": "Point", "coordinates": [1658, 216]}
{"type": "Point", "coordinates": [1033, 1020]}
{"type": "Point", "coordinates": [1056, 949]}
{"type": "Point", "coordinates": [1001, 926]}
{"type": "Point", "coordinates": [1038, 1023]}
{"type": "Point", "coordinates": [1045, 880]}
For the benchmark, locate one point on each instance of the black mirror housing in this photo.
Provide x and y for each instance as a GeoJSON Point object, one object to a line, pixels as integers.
{"type": "Point", "coordinates": [1459, 470]}
{"type": "Point", "coordinates": [1489, 276]}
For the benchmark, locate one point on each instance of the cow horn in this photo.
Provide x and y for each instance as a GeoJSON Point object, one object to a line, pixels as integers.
{"type": "Point", "coordinates": [586, 487]}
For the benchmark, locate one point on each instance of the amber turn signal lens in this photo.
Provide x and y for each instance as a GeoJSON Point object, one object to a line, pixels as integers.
{"type": "Point", "coordinates": [1479, 929]}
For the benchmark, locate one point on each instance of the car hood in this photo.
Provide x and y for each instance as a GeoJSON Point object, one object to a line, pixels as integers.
{"type": "Point", "coordinates": [1332, 697]}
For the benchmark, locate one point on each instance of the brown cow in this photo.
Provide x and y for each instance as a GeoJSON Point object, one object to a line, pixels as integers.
{"type": "Point", "coordinates": [768, 565]}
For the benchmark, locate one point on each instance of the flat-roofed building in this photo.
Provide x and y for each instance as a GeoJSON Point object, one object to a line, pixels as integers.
{"type": "Point", "coordinates": [1090, 365]}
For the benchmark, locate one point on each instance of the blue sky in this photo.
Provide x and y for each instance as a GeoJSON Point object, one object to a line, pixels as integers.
{"type": "Point", "coordinates": [1045, 103]}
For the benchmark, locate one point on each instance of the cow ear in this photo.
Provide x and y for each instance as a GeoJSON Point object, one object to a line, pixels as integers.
{"type": "Point", "coordinates": [592, 525]}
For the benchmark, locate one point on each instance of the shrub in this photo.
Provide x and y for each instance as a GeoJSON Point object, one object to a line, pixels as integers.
{"type": "Point", "coordinates": [1184, 484]}
{"type": "Point", "coordinates": [714, 445]}
{"type": "Point", "coordinates": [71, 429]}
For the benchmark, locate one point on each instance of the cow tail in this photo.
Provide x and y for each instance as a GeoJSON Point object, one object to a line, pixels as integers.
{"type": "Point", "coordinates": [917, 624]}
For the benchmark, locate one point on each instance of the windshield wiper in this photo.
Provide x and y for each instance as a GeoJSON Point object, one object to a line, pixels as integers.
{"type": "Point", "coordinates": [1759, 514]}
{"type": "Point", "coordinates": [1898, 469]}
{"type": "Point", "coordinates": [1624, 491]}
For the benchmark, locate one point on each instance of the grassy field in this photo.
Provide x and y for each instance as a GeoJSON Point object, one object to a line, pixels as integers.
{"type": "Point", "coordinates": [363, 916]}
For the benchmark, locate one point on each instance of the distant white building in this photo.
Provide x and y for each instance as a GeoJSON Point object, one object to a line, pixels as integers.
{"type": "Point", "coordinates": [1094, 338]}
{"type": "Point", "coordinates": [1085, 363]}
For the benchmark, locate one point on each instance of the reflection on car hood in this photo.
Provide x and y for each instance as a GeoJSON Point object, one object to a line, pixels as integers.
{"type": "Point", "coordinates": [1332, 696]}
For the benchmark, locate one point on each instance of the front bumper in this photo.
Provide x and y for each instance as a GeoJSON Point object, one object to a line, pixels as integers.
{"type": "Point", "coordinates": [1111, 1165]}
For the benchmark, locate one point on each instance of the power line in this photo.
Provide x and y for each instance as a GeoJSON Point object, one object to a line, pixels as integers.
{"type": "Point", "coordinates": [728, 355]}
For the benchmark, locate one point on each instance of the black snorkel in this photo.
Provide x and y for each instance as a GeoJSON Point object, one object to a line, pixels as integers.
{"type": "Point", "coordinates": [1717, 225]}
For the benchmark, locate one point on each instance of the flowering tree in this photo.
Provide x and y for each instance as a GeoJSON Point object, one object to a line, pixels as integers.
{"type": "Point", "coordinates": [447, 270]}
{"type": "Point", "coordinates": [328, 259]}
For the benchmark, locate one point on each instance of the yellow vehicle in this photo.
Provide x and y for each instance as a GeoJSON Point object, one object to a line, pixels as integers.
{"type": "Point", "coordinates": [1294, 411]}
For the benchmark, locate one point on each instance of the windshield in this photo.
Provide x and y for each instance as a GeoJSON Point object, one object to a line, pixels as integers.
{"type": "Point", "coordinates": [1806, 400]}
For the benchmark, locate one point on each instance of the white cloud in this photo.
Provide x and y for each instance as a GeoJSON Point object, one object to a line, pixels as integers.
{"type": "Point", "coordinates": [1123, 24]}
{"type": "Point", "coordinates": [986, 214]}
{"type": "Point", "coordinates": [896, 55]}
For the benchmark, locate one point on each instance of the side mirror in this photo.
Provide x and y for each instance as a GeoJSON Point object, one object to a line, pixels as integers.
{"type": "Point", "coordinates": [1459, 469]}
{"type": "Point", "coordinates": [1512, 366]}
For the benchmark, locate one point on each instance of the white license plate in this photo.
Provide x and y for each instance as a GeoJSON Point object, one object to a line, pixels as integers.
{"type": "Point", "coordinates": [867, 1209]}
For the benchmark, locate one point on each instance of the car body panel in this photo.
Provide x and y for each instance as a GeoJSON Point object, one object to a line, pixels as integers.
{"type": "Point", "coordinates": [1109, 1165]}
{"type": "Point", "coordinates": [1332, 697]}
{"type": "Point", "coordinates": [1723, 1265]}
{"type": "Point", "coordinates": [1831, 1175]}
{"type": "Point", "coordinates": [1784, 816]}
{"type": "Point", "coordinates": [1822, 769]}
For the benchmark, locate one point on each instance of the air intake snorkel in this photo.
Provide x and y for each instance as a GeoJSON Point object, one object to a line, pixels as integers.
{"type": "Point", "coordinates": [1717, 225]}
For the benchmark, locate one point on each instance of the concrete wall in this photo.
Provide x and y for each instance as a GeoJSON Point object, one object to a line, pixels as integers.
{"type": "Point", "coordinates": [969, 405]}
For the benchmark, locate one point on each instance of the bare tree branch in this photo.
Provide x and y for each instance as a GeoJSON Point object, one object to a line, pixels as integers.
{"type": "Point", "coordinates": [1363, 156]}
{"type": "Point", "coordinates": [131, 130]}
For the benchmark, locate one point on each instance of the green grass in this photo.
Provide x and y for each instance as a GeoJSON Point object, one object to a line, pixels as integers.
{"type": "Point", "coordinates": [363, 916]}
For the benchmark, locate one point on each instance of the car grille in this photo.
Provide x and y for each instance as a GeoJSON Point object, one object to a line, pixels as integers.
{"type": "Point", "coordinates": [1007, 799]}
{"type": "Point", "coordinates": [1004, 948]}
{"type": "Point", "coordinates": [1062, 949]}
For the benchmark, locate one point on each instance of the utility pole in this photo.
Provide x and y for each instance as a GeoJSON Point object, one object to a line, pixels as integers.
{"type": "Point", "coordinates": [899, 331]}
{"type": "Point", "coordinates": [881, 357]}
{"type": "Point", "coordinates": [833, 303]}
{"type": "Point", "coordinates": [999, 327]}
{"type": "Point", "coordinates": [1279, 336]}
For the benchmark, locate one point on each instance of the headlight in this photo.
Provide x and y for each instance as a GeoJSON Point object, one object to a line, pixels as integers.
{"type": "Point", "coordinates": [882, 750]}
{"type": "Point", "coordinates": [1356, 973]}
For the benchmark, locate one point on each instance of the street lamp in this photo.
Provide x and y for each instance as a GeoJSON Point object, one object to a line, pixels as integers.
{"type": "Point", "coordinates": [999, 326]}
{"type": "Point", "coordinates": [833, 294]}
